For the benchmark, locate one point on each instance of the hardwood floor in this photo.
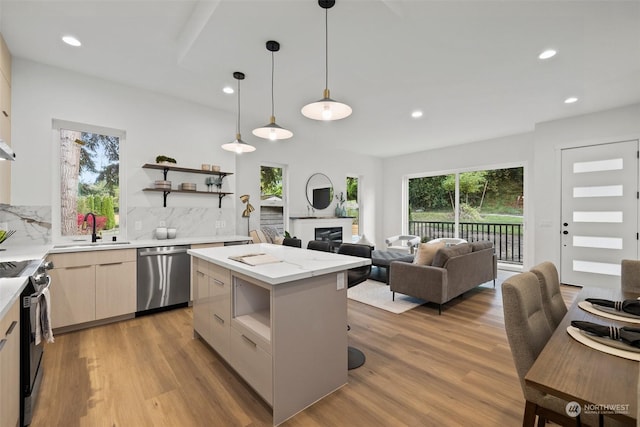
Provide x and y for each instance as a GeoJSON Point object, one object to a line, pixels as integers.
{"type": "Point", "coordinates": [421, 370]}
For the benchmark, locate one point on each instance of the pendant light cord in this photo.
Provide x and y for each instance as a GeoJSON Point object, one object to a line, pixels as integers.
{"type": "Point", "coordinates": [272, 102]}
{"type": "Point", "coordinates": [326, 48]}
{"type": "Point", "coordinates": [238, 121]}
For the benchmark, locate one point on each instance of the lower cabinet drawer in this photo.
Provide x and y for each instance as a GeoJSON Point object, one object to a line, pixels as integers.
{"type": "Point", "coordinates": [253, 363]}
{"type": "Point", "coordinates": [220, 326]}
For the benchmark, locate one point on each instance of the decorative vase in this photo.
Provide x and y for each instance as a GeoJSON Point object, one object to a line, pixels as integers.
{"type": "Point", "coordinates": [338, 211]}
{"type": "Point", "coordinates": [343, 212]}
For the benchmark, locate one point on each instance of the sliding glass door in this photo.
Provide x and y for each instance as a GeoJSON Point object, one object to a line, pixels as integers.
{"type": "Point", "coordinates": [472, 205]}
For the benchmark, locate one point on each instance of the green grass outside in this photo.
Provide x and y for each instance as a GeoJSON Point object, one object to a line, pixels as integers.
{"type": "Point", "coordinates": [448, 217]}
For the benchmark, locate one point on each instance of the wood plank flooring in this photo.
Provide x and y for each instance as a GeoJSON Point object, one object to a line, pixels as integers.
{"type": "Point", "coordinates": [421, 370]}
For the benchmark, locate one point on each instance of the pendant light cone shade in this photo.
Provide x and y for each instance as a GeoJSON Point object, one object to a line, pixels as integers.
{"type": "Point", "coordinates": [238, 145]}
{"type": "Point", "coordinates": [326, 108]}
{"type": "Point", "coordinates": [272, 131]}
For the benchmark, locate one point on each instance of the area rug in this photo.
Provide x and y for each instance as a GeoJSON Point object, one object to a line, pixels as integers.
{"type": "Point", "coordinates": [377, 294]}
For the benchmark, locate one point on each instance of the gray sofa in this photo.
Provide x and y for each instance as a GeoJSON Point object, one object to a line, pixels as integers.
{"type": "Point", "coordinates": [454, 270]}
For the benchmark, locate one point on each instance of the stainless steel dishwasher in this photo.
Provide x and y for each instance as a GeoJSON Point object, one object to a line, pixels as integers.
{"type": "Point", "coordinates": [163, 280]}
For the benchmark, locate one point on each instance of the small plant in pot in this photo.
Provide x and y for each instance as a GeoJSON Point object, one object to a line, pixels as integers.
{"type": "Point", "coordinates": [165, 160]}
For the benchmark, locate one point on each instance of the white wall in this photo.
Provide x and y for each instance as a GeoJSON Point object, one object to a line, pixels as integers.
{"type": "Point", "coordinates": [155, 124]}
{"type": "Point", "coordinates": [538, 151]}
{"type": "Point", "coordinates": [158, 124]}
{"type": "Point", "coordinates": [508, 151]}
{"type": "Point", "coordinates": [614, 125]}
{"type": "Point", "coordinates": [303, 159]}
{"type": "Point", "coordinates": [192, 133]}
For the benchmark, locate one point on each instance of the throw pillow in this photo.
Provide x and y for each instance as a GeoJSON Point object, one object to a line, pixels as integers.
{"type": "Point", "coordinates": [278, 240]}
{"type": "Point", "coordinates": [261, 237]}
{"type": "Point", "coordinates": [426, 252]}
{"type": "Point", "coordinates": [270, 233]}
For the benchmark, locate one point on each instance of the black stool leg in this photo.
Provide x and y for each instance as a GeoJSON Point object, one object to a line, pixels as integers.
{"type": "Point", "coordinates": [355, 358]}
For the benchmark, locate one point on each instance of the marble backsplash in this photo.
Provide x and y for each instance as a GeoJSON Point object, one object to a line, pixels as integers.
{"type": "Point", "coordinates": [189, 222]}
{"type": "Point", "coordinates": [33, 223]}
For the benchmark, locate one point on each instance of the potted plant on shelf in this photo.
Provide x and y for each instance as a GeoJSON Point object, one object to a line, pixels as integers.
{"type": "Point", "coordinates": [164, 160]}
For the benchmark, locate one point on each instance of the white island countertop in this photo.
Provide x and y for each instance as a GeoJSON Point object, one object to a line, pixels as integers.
{"type": "Point", "coordinates": [295, 263]}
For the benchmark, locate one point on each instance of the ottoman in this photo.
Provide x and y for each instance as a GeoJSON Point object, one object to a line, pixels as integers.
{"type": "Point", "coordinates": [382, 260]}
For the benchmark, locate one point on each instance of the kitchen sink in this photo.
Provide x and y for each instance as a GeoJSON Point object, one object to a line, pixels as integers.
{"type": "Point", "coordinates": [89, 245]}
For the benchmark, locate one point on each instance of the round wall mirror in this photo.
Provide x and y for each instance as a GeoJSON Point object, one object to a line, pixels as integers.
{"type": "Point", "coordinates": [319, 191]}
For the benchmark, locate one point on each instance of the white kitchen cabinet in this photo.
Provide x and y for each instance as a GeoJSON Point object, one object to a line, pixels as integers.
{"type": "Point", "coordinates": [201, 300]}
{"type": "Point", "coordinates": [73, 294]}
{"type": "Point", "coordinates": [193, 270]}
{"type": "Point", "coordinates": [10, 367]}
{"type": "Point", "coordinates": [115, 292]}
{"type": "Point", "coordinates": [5, 110]}
{"type": "Point", "coordinates": [5, 119]}
{"type": "Point", "coordinates": [211, 305]}
{"type": "Point", "coordinates": [92, 286]}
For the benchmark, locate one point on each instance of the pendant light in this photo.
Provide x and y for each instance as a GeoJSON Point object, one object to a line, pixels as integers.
{"type": "Point", "coordinates": [272, 131]}
{"type": "Point", "coordinates": [326, 108]}
{"type": "Point", "coordinates": [238, 145]}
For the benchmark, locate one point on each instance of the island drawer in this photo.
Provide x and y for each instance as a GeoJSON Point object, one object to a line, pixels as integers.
{"type": "Point", "coordinates": [253, 363]}
{"type": "Point", "coordinates": [220, 315]}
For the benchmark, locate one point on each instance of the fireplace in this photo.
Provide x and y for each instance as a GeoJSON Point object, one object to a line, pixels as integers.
{"type": "Point", "coordinates": [331, 234]}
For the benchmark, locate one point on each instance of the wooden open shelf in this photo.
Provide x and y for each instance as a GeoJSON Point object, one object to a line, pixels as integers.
{"type": "Point", "coordinates": [166, 168]}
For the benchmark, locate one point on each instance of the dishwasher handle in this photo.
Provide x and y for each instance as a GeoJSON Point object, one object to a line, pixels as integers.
{"type": "Point", "coordinates": [160, 253]}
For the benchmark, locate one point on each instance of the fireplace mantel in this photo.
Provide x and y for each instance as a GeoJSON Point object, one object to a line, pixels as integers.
{"type": "Point", "coordinates": [304, 227]}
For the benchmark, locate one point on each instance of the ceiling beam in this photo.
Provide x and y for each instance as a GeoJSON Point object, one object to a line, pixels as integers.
{"type": "Point", "coordinates": [200, 16]}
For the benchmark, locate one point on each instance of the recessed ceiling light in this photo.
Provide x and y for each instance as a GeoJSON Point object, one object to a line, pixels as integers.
{"type": "Point", "coordinates": [571, 100]}
{"type": "Point", "coordinates": [416, 114]}
{"type": "Point", "coordinates": [71, 41]}
{"type": "Point", "coordinates": [549, 53]}
{"type": "Point", "coordinates": [228, 89]}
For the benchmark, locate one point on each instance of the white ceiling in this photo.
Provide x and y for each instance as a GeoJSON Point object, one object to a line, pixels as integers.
{"type": "Point", "coordinates": [471, 66]}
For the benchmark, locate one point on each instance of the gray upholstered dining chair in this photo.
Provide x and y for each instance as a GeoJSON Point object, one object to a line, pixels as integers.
{"type": "Point", "coordinates": [552, 303]}
{"type": "Point", "coordinates": [630, 275]}
{"type": "Point", "coordinates": [528, 332]}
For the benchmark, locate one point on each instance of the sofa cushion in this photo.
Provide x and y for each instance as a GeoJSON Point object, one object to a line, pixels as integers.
{"type": "Point", "coordinates": [426, 252]}
{"type": "Point", "coordinates": [443, 255]}
{"type": "Point", "coordinates": [478, 246]}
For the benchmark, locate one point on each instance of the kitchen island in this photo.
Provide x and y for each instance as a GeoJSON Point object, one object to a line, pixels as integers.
{"type": "Point", "coordinates": [281, 325]}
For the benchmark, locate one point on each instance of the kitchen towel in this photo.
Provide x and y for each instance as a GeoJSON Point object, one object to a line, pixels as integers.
{"type": "Point", "coordinates": [43, 317]}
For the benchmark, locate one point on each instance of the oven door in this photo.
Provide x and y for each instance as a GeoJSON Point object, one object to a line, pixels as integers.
{"type": "Point", "coordinates": [30, 352]}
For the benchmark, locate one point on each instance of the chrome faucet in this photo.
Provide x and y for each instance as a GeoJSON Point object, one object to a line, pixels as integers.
{"type": "Point", "coordinates": [94, 236]}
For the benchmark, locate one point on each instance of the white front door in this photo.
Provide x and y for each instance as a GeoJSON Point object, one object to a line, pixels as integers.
{"type": "Point", "coordinates": [599, 213]}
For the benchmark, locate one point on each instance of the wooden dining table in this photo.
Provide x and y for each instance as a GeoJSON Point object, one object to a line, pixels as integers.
{"type": "Point", "coordinates": [601, 383]}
